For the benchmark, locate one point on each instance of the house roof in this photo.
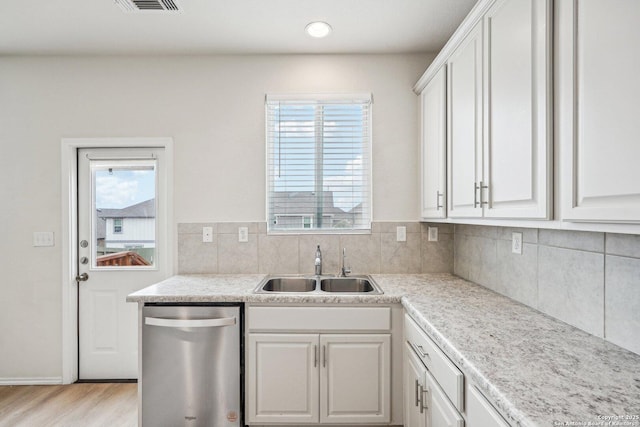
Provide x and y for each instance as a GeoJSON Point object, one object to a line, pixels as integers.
{"type": "Point", "coordinates": [302, 203]}
{"type": "Point", "coordinates": [146, 209]}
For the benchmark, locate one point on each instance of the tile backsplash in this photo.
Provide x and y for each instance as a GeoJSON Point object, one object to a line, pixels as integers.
{"type": "Point", "coordinates": [377, 252]}
{"type": "Point", "coordinates": [587, 279]}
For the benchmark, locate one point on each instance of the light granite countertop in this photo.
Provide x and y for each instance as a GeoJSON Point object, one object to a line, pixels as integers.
{"type": "Point", "coordinates": [538, 371]}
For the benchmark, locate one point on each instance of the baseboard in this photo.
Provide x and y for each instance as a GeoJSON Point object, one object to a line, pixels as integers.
{"type": "Point", "coordinates": [31, 381]}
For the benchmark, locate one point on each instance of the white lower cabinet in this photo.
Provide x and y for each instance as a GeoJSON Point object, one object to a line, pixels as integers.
{"type": "Point", "coordinates": [308, 375]}
{"type": "Point", "coordinates": [480, 413]}
{"type": "Point", "coordinates": [434, 390]}
{"type": "Point", "coordinates": [326, 378]}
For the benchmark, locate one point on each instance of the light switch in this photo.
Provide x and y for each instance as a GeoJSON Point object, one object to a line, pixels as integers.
{"type": "Point", "coordinates": [243, 234]}
{"type": "Point", "coordinates": [43, 238]}
{"type": "Point", "coordinates": [433, 234]}
{"type": "Point", "coordinates": [207, 234]}
{"type": "Point", "coordinates": [401, 234]}
{"type": "Point", "coordinates": [516, 243]}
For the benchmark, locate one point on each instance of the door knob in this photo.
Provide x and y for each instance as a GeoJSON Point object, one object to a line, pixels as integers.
{"type": "Point", "coordinates": [82, 278]}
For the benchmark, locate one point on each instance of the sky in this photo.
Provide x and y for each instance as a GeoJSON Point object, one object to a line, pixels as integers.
{"type": "Point", "coordinates": [118, 189]}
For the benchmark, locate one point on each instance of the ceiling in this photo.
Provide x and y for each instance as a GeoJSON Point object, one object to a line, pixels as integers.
{"type": "Point", "coordinates": [228, 27]}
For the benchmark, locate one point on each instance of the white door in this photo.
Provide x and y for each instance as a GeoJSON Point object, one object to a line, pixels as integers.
{"type": "Point", "coordinates": [122, 233]}
{"type": "Point", "coordinates": [282, 372]}
{"type": "Point", "coordinates": [434, 146]}
{"type": "Point", "coordinates": [355, 379]}
{"type": "Point", "coordinates": [517, 106]}
{"type": "Point", "coordinates": [441, 412]}
{"type": "Point", "coordinates": [464, 132]}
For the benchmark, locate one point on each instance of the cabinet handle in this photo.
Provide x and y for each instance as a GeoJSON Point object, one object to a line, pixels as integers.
{"type": "Point", "coordinates": [475, 194]}
{"type": "Point", "coordinates": [324, 356]}
{"type": "Point", "coordinates": [421, 399]}
{"type": "Point", "coordinates": [315, 356]}
{"type": "Point", "coordinates": [417, 393]}
{"type": "Point", "coordinates": [423, 353]}
{"type": "Point", "coordinates": [438, 195]}
{"type": "Point", "coordinates": [424, 398]}
{"type": "Point", "coordinates": [484, 187]}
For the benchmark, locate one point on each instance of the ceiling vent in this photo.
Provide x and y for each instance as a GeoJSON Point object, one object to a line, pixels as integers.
{"type": "Point", "coordinates": [149, 5]}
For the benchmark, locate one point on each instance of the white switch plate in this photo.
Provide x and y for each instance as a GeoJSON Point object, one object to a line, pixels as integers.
{"type": "Point", "coordinates": [401, 234]}
{"type": "Point", "coordinates": [433, 234]}
{"type": "Point", "coordinates": [243, 234]}
{"type": "Point", "coordinates": [516, 243]}
{"type": "Point", "coordinates": [207, 234]}
{"type": "Point", "coordinates": [43, 238]}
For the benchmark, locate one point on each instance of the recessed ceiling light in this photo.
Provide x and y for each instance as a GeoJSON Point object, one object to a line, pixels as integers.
{"type": "Point", "coordinates": [318, 29]}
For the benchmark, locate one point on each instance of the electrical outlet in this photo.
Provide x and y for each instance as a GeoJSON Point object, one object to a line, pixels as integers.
{"type": "Point", "coordinates": [401, 234]}
{"type": "Point", "coordinates": [516, 243]}
{"type": "Point", "coordinates": [43, 238]}
{"type": "Point", "coordinates": [432, 234]}
{"type": "Point", "coordinates": [243, 234]}
{"type": "Point", "coordinates": [207, 234]}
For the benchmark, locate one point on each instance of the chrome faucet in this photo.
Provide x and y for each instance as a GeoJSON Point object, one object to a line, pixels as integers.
{"type": "Point", "coordinates": [318, 261]}
{"type": "Point", "coordinates": [344, 270]}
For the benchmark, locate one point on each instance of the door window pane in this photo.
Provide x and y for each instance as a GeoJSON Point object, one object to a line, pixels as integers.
{"type": "Point", "coordinates": [124, 224]}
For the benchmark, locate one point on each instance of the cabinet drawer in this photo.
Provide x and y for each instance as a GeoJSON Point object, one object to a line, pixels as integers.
{"type": "Point", "coordinates": [319, 318]}
{"type": "Point", "coordinates": [445, 372]}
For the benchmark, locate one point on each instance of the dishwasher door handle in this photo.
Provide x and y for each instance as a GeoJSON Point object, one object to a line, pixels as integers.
{"type": "Point", "coordinates": [190, 323]}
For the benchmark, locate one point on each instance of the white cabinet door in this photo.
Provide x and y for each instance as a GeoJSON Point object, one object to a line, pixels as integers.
{"type": "Point", "coordinates": [598, 92]}
{"type": "Point", "coordinates": [517, 90]}
{"type": "Point", "coordinates": [480, 413]}
{"type": "Point", "coordinates": [434, 146]}
{"type": "Point", "coordinates": [441, 413]}
{"type": "Point", "coordinates": [283, 378]}
{"type": "Point", "coordinates": [355, 382]}
{"type": "Point", "coordinates": [414, 372]}
{"type": "Point", "coordinates": [464, 130]}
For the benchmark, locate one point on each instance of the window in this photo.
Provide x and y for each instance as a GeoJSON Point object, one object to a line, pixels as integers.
{"type": "Point", "coordinates": [117, 225]}
{"type": "Point", "coordinates": [318, 162]}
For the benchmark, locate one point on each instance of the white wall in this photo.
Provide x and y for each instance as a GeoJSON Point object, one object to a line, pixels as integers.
{"type": "Point", "coordinates": [213, 107]}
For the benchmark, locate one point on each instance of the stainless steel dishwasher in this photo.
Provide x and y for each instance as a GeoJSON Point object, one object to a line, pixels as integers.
{"type": "Point", "coordinates": [191, 371]}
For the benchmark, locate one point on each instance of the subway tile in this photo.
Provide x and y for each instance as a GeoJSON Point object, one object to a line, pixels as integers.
{"type": "Point", "coordinates": [622, 304]}
{"type": "Point", "coordinates": [237, 257]}
{"type": "Point", "coordinates": [529, 235]}
{"type": "Point", "coordinates": [363, 252]}
{"type": "Point", "coordinates": [623, 244]}
{"type": "Point", "coordinates": [330, 247]}
{"type": "Point", "coordinates": [571, 287]}
{"type": "Point", "coordinates": [278, 254]}
{"type": "Point", "coordinates": [437, 257]}
{"type": "Point", "coordinates": [232, 227]}
{"type": "Point", "coordinates": [517, 274]}
{"type": "Point", "coordinates": [400, 257]}
{"type": "Point", "coordinates": [196, 227]}
{"type": "Point", "coordinates": [580, 240]}
{"type": "Point", "coordinates": [194, 256]}
{"type": "Point", "coordinates": [262, 228]}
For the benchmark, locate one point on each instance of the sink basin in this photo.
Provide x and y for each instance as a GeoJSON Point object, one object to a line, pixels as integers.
{"type": "Point", "coordinates": [348, 284]}
{"type": "Point", "coordinates": [289, 284]}
{"type": "Point", "coordinates": [319, 285]}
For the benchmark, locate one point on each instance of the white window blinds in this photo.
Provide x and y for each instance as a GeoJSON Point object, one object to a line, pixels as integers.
{"type": "Point", "coordinates": [318, 162]}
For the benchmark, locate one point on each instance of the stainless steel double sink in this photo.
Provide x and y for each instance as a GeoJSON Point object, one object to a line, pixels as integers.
{"type": "Point", "coordinates": [319, 284]}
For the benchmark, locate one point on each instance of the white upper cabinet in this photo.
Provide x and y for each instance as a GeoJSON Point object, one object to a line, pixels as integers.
{"type": "Point", "coordinates": [599, 110]}
{"type": "Point", "coordinates": [517, 107]}
{"type": "Point", "coordinates": [464, 130]}
{"type": "Point", "coordinates": [434, 146]}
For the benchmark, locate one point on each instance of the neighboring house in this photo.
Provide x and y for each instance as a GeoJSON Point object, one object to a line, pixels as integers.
{"type": "Point", "coordinates": [128, 229]}
{"type": "Point", "coordinates": [297, 209]}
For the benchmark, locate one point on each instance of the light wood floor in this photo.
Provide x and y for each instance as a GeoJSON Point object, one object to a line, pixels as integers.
{"type": "Point", "coordinates": [75, 405]}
